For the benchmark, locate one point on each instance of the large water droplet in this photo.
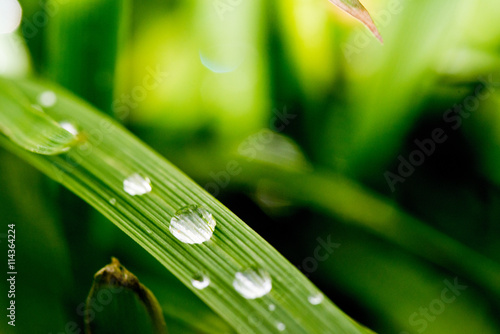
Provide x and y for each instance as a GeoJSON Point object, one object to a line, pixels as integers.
{"type": "Point", "coordinates": [280, 326]}
{"type": "Point", "coordinates": [200, 281]}
{"type": "Point", "coordinates": [47, 98]}
{"type": "Point", "coordinates": [316, 298]}
{"type": "Point", "coordinates": [135, 184]}
{"type": "Point", "coordinates": [10, 16]}
{"type": "Point", "coordinates": [192, 225]}
{"type": "Point", "coordinates": [69, 127]}
{"type": "Point", "coordinates": [252, 283]}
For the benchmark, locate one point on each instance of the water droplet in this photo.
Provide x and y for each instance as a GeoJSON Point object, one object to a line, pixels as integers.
{"type": "Point", "coordinates": [69, 127]}
{"type": "Point", "coordinates": [10, 16]}
{"type": "Point", "coordinates": [192, 225]}
{"type": "Point", "coordinates": [112, 201]}
{"type": "Point", "coordinates": [200, 281]}
{"type": "Point", "coordinates": [135, 184]}
{"type": "Point", "coordinates": [281, 326]}
{"type": "Point", "coordinates": [252, 283]}
{"type": "Point", "coordinates": [47, 98]}
{"type": "Point", "coordinates": [271, 307]}
{"type": "Point", "coordinates": [316, 298]}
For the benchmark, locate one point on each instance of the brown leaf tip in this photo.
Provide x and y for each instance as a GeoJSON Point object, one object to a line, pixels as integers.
{"type": "Point", "coordinates": [357, 10]}
{"type": "Point", "coordinates": [117, 275]}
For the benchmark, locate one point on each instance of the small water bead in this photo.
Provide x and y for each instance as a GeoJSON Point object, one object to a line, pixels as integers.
{"type": "Point", "coordinates": [252, 283]}
{"type": "Point", "coordinates": [280, 326]}
{"type": "Point", "coordinates": [200, 281]}
{"type": "Point", "coordinates": [135, 185]}
{"type": "Point", "coordinates": [192, 225]}
{"type": "Point", "coordinates": [316, 298]}
{"type": "Point", "coordinates": [69, 127]}
{"type": "Point", "coordinates": [112, 201]}
{"type": "Point", "coordinates": [271, 307]}
{"type": "Point", "coordinates": [47, 98]}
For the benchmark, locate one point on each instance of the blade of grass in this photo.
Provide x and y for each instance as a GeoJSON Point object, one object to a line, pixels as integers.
{"type": "Point", "coordinates": [21, 123]}
{"type": "Point", "coordinates": [79, 31]}
{"type": "Point", "coordinates": [356, 9]}
{"type": "Point", "coordinates": [95, 170]}
{"type": "Point", "coordinates": [180, 306]}
{"type": "Point", "coordinates": [340, 197]}
{"type": "Point", "coordinates": [354, 204]}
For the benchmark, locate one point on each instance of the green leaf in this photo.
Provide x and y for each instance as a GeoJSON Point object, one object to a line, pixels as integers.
{"type": "Point", "coordinates": [119, 303]}
{"type": "Point", "coordinates": [29, 127]}
{"type": "Point", "coordinates": [95, 170]}
{"type": "Point", "coordinates": [356, 9]}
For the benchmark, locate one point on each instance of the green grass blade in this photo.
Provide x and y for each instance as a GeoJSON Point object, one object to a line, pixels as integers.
{"type": "Point", "coordinates": [83, 43]}
{"type": "Point", "coordinates": [95, 170]}
{"type": "Point", "coordinates": [362, 208]}
{"type": "Point", "coordinates": [28, 127]}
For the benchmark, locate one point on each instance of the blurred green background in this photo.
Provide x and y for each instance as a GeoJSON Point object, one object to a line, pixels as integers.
{"type": "Point", "coordinates": [300, 122]}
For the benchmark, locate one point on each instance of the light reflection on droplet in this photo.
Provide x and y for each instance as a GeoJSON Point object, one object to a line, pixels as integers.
{"type": "Point", "coordinates": [135, 185]}
{"type": "Point", "coordinates": [316, 298]}
{"type": "Point", "coordinates": [47, 98]}
{"type": "Point", "coordinates": [200, 281]}
{"type": "Point", "coordinates": [252, 283]}
{"type": "Point", "coordinates": [69, 127]}
{"type": "Point", "coordinates": [192, 225]}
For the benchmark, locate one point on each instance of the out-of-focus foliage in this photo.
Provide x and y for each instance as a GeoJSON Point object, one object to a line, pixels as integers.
{"type": "Point", "coordinates": [344, 107]}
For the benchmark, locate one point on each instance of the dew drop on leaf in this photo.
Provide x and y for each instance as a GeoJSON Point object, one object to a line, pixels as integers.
{"type": "Point", "coordinates": [315, 299]}
{"type": "Point", "coordinates": [135, 184]}
{"type": "Point", "coordinates": [200, 281]}
{"type": "Point", "coordinates": [280, 326]}
{"type": "Point", "coordinates": [192, 225]}
{"type": "Point", "coordinates": [47, 98]}
{"type": "Point", "coordinates": [252, 283]}
{"type": "Point", "coordinates": [69, 127]}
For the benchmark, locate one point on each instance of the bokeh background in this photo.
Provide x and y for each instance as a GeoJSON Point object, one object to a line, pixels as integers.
{"type": "Point", "coordinates": [304, 125]}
